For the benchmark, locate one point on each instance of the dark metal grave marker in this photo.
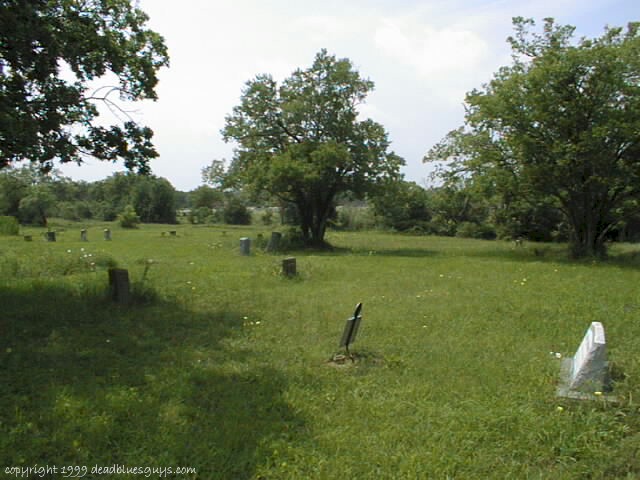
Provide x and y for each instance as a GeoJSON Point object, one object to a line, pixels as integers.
{"type": "Point", "coordinates": [289, 267]}
{"type": "Point", "coordinates": [351, 329]}
{"type": "Point", "coordinates": [119, 285]}
{"type": "Point", "coordinates": [50, 236]}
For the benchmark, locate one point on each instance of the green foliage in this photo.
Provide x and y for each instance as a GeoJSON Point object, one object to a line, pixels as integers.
{"type": "Point", "coordinates": [9, 225]}
{"type": "Point", "coordinates": [48, 115]}
{"type": "Point", "coordinates": [37, 206]}
{"type": "Point", "coordinates": [128, 218]}
{"type": "Point", "coordinates": [236, 212]}
{"type": "Point", "coordinates": [267, 217]}
{"type": "Point", "coordinates": [354, 218]}
{"type": "Point", "coordinates": [215, 174]}
{"type": "Point", "coordinates": [402, 206]}
{"type": "Point", "coordinates": [302, 141]}
{"type": "Point", "coordinates": [558, 126]}
{"type": "Point", "coordinates": [201, 215]}
{"type": "Point", "coordinates": [205, 196]}
{"type": "Point", "coordinates": [474, 230]}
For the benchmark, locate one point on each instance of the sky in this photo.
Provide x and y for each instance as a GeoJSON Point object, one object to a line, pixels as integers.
{"type": "Point", "coordinates": [423, 56]}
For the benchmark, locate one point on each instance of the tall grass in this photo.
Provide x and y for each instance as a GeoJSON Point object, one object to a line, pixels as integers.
{"type": "Point", "coordinates": [226, 369]}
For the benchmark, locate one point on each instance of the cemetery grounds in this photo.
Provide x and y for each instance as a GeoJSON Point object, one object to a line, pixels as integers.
{"type": "Point", "coordinates": [223, 365]}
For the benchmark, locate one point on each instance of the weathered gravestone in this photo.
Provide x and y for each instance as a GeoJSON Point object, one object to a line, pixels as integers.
{"type": "Point", "coordinates": [83, 236]}
{"type": "Point", "coordinates": [587, 372]}
{"type": "Point", "coordinates": [119, 285]}
{"type": "Point", "coordinates": [28, 238]}
{"type": "Point", "coordinates": [173, 233]}
{"type": "Point", "coordinates": [289, 267]}
{"type": "Point", "coordinates": [351, 329]}
{"type": "Point", "coordinates": [107, 234]}
{"type": "Point", "coordinates": [274, 242]}
{"type": "Point", "coordinates": [50, 236]}
{"type": "Point", "coordinates": [245, 246]}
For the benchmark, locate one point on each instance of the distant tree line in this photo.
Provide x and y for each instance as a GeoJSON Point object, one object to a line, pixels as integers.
{"type": "Point", "coordinates": [33, 197]}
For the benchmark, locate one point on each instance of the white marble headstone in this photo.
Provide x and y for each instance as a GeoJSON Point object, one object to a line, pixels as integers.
{"type": "Point", "coordinates": [589, 366]}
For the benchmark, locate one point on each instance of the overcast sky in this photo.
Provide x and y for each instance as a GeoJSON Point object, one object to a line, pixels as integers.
{"type": "Point", "coordinates": [423, 56]}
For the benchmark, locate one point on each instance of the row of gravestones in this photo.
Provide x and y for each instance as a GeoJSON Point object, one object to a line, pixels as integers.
{"type": "Point", "coordinates": [583, 375]}
{"type": "Point", "coordinates": [51, 236]}
{"type": "Point", "coordinates": [289, 268]}
{"type": "Point", "coordinates": [272, 246]}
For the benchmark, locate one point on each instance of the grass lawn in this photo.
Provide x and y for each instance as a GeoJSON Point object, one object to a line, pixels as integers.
{"type": "Point", "coordinates": [221, 364]}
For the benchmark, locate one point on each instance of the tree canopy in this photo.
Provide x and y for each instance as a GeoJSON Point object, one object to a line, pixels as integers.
{"type": "Point", "coordinates": [303, 141]}
{"type": "Point", "coordinates": [561, 125]}
{"type": "Point", "coordinates": [50, 52]}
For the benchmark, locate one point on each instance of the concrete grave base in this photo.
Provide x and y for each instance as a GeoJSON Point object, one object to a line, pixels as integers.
{"type": "Point", "coordinates": [564, 386]}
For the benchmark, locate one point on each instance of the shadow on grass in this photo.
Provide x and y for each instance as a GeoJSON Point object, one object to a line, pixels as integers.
{"type": "Point", "coordinates": [558, 254]}
{"type": "Point", "coordinates": [89, 383]}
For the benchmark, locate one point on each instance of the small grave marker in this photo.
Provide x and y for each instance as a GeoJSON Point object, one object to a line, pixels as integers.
{"type": "Point", "coordinates": [587, 371]}
{"type": "Point", "coordinates": [119, 285]}
{"type": "Point", "coordinates": [107, 234]}
{"type": "Point", "coordinates": [50, 236]}
{"type": "Point", "coordinates": [173, 233]}
{"type": "Point", "coordinates": [351, 329]}
{"type": "Point", "coordinates": [83, 236]}
{"type": "Point", "coordinates": [274, 242]}
{"type": "Point", "coordinates": [245, 246]}
{"type": "Point", "coordinates": [289, 267]}
{"type": "Point", "coordinates": [28, 238]}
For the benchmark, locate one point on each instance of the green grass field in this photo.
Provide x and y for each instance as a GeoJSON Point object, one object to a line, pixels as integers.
{"type": "Point", "coordinates": [222, 365]}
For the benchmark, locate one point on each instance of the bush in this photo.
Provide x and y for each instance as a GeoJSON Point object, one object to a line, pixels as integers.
{"type": "Point", "coordinates": [474, 230]}
{"type": "Point", "coordinates": [354, 218]}
{"type": "Point", "coordinates": [236, 213]}
{"type": "Point", "coordinates": [267, 217]}
{"type": "Point", "coordinates": [9, 226]}
{"type": "Point", "coordinates": [128, 218]}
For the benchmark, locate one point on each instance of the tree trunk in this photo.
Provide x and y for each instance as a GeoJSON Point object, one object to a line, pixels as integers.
{"type": "Point", "coordinates": [314, 217]}
{"type": "Point", "coordinates": [587, 239]}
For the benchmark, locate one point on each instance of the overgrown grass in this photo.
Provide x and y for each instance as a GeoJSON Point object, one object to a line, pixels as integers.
{"type": "Point", "coordinates": [225, 367]}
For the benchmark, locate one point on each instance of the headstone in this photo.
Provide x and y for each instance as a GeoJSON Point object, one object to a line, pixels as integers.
{"type": "Point", "coordinates": [587, 372]}
{"type": "Point", "coordinates": [274, 242]}
{"type": "Point", "coordinates": [351, 328]}
{"type": "Point", "coordinates": [50, 236]}
{"type": "Point", "coordinates": [107, 234]}
{"type": "Point", "coordinates": [289, 267]}
{"type": "Point", "coordinates": [173, 233]}
{"type": "Point", "coordinates": [245, 246]}
{"type": "Point", "coordinates": [28, 238]}
{"type": "Point", "coordinates": [589, 367]}
{"type": "Point", "coordinates": [83, 236]}
{"type": "Point", "coordinates": [119, 285]}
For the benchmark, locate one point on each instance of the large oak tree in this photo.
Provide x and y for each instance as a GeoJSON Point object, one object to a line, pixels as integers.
{"type": "Point", "coordinates": [560, 125]}
{"type": "Point", "coordinates": [50, 52]}
{"type": "Point", "coordinates": [303, 141]}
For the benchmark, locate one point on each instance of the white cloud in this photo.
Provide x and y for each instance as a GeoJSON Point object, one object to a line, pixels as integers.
{"type": "Point", "coordinates": [429, 50]}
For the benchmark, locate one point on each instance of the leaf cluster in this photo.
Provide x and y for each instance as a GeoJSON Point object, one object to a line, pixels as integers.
{"type": "Point", "coordinates": [49, 53]}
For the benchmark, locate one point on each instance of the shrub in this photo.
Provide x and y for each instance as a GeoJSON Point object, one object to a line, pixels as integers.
{"type": "Point", "coordinates": [474, 230]}
{"type": "Point", "coordinates": [236, 213]}
{"type": "Point", "coordinates": [128, 218]}
{"type": "Point", "coordinates": [354, 218]}
{"type": "Point", "coordinates": [9, 226]}
{"type": "Point", "coordinates": [267, 217]}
